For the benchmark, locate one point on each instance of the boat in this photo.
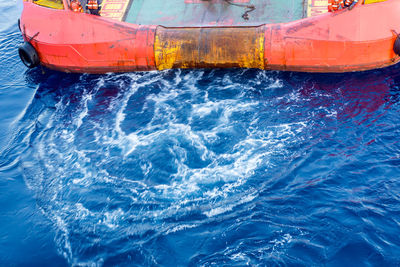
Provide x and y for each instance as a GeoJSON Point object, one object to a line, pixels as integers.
{"type": "Point", "coordinates": [146, 35]}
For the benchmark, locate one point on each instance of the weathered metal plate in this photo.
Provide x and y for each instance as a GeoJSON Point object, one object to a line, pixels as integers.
{"type": "Point", "coordinates": [317, 7]}
{"type": "Point", "coordinates": [114, 9]}
{"type": "Point", "coordinates": [201, 13]}
{"type": "Point", "coordinates": [241, 47]}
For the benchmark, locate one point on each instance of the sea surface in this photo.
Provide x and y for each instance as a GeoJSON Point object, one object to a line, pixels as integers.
{"type": "Point", "coordinates": [196, 167]}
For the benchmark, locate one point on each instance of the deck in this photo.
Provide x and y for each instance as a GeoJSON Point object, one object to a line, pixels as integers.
{"type": "Point", "coordinates": [203, 13]}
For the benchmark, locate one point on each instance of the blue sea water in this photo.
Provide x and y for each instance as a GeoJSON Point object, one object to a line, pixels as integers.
{"type": "Point", "coordinates": [196, 167]}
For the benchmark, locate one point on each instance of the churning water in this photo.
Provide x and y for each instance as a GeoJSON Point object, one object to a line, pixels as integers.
{"type": "Point", "coordinates": [198, 167]}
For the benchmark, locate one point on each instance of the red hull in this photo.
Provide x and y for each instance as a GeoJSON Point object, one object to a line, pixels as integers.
{"type": "Point", "coordinates": [348, 40]}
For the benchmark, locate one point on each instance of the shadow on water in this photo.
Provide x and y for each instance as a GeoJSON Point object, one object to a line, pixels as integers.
{"type": "Point", "coordinates": [225, 167]}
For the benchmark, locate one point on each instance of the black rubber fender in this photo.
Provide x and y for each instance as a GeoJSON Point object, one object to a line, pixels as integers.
{"type": "Point", "coordinates": [396, 46]}
{"type": "Point", "coordinates": [28, 55]}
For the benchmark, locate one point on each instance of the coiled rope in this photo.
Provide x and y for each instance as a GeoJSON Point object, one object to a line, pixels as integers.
{"type": "Point", "coordinates": [249, 8]}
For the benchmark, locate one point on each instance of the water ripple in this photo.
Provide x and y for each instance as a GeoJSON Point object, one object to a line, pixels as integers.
{"type": "Point", "coordinates": [215, 167]}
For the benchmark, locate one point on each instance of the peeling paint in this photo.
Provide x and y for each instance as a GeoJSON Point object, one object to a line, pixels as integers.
{"type": "Point", "coordinates": [214, 47]}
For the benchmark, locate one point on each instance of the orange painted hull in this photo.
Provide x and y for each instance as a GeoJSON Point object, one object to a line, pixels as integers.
{"type": "Point", "coordinates": [349, 40]}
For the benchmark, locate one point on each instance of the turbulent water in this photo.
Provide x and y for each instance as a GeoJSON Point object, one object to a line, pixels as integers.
{"type": "Point", "coordinates": [197, 167]}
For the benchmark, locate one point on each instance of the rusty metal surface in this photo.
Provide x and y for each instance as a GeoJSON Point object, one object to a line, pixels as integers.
{"type": "Point", "coordinates": [209, 47]}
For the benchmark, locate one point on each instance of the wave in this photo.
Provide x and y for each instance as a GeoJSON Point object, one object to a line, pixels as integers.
{"type": "Point", "coordinates": [134, 168]}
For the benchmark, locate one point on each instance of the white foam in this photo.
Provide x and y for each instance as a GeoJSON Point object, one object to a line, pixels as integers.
{"type": "Point", "coordinates": [223, 209]}
{"type": "Point", "coordinates": [111, 219]}
{"type": "Point", "coordinates": [285, 239]}
{"type": "Point", "coordinates": [217, 187]}
{"type": "Point", "coordinates": [180, 228]}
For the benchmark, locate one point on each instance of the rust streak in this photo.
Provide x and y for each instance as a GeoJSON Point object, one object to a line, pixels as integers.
{"type": "Point", "coordinates": [218, 47]}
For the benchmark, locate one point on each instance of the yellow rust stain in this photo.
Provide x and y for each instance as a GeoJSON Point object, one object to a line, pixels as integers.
{"type": "Point", "coordinates": [373, 1]}
{"type": "Point", "coordinates": [214, 47]}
